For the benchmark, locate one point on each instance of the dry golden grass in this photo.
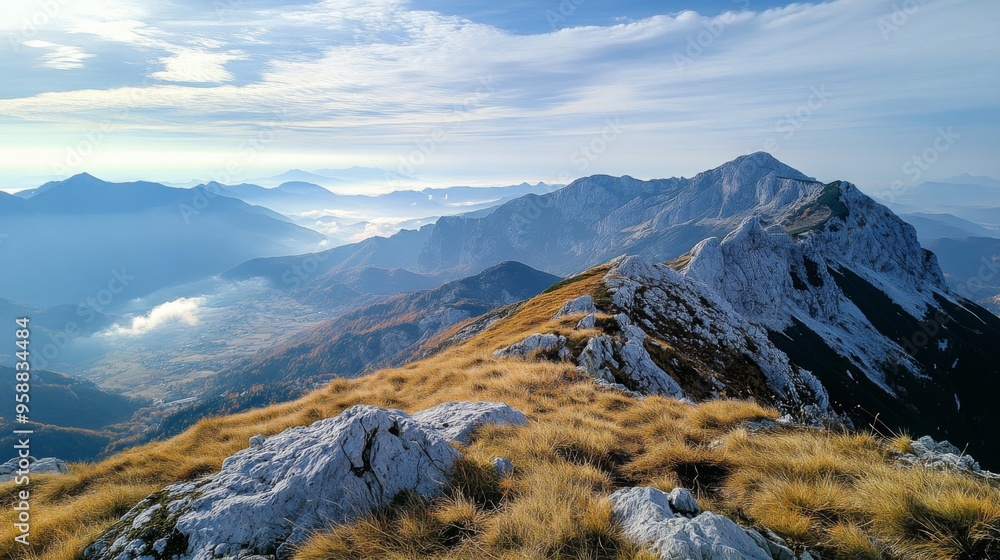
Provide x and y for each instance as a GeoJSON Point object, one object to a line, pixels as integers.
{"type": "Point", "coordinates": [839, 493]}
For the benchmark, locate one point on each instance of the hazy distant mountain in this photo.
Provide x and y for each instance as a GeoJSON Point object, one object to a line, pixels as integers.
{"type": "Point", "coordinates": [967, 179]}
{"type": "Point", "coordinates": [298, 197]}
{"type": "Point", "coordinates": [86, 238]}
{"type": "Point", "coordinates": [586, 223]}
{"type": "Point", "coordinates": [936, 226]}
{"type": "Point", "coordinates": [971, 266]}
{"type": "Point", "coordinates": [976, 199]}
{"type": "Point", "coordinates": [52, 326]}
{"type": "Point", "coordinates": [297, 175]}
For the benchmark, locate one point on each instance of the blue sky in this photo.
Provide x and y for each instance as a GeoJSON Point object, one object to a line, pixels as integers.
{"type": "Point", "coordinates": [475, 93]}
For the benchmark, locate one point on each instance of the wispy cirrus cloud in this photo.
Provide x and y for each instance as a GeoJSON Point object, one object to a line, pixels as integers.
{"type": "Point", "coordinates": [59, 57]}
{"type": "Point", "coordinates": [373, 79]}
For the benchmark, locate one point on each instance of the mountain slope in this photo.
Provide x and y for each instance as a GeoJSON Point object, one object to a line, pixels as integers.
{"type": "Point", "coordinates": [72, 417]}
{"type": "Point", "coordinates": [383, 334]}
{"type": "Point", "coordinates": [131, 238]}
{"type": "Point", "coordinates": [386, 334]}
{"type": "Point", "coordinates": [831, 311]}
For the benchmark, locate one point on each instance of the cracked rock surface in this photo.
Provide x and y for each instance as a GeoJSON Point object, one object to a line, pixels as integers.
{"type": "Point", "coordinates": [269, 497]}
{"type": "Point", "coordinates": [537, 342]}
{"type": "Point", "coordinates": [674, 528]}
{"type": "Point", "coordinates": [455, 421]}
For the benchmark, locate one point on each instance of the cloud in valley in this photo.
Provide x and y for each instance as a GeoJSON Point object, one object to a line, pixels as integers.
{"type": "Point", "coordinates": [179, 311]}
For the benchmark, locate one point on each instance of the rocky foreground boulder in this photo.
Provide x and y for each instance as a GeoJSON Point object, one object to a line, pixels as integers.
{"type": "Point", "coordinates": [674, 527]}
{"type": "Point", "coordinates": [273, 495]}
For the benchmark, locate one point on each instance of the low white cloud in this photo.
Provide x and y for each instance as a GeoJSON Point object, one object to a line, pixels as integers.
{"type": "Point", "coordinates": [181, 310]}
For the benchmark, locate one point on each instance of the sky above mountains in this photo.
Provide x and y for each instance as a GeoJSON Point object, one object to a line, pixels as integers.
{"type": "Point", "coordinates": [877, 92]}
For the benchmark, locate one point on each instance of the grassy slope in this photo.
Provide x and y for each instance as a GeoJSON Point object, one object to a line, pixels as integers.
{"type": "Point", "coordinates": [839, 493]}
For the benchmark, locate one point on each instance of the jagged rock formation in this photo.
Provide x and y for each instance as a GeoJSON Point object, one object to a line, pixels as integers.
{"type": "Point", "coordinates": [673, 527]}
{"type": "Point", "coordinates": [623, 360]}
{"type": "Point", "coordinates": [273, 495]}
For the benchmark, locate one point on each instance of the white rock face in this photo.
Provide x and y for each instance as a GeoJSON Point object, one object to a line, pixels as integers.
{"type": "Point", "coordinates": [773, 282]}
{"type": "Point", "coordinates": [46, 465]}
{"type": "Point", "coordinates": [456, 421]}
{"type": "Point", "coordinates": [535, 343]}
{"type": "Point", "coordinates": [270, 497]}
{"type": "Point", "coordinates": [582, 304]}
{"type": "Point", "coordinates": [689, 315]}
{"type": "Point", "coordinates": [647, 517]}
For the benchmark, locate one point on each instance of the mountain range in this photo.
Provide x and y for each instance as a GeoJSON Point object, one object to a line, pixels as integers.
{"type": "Point", "coordinates": [757, 342]}
{"type": "Point", "coordinates": [87, 238]}
{"type": "Point", "coordinates": [305, 197]}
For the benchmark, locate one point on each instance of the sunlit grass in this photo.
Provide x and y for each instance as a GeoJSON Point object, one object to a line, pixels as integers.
{"type": "Point", "coordinates": [838, 493]}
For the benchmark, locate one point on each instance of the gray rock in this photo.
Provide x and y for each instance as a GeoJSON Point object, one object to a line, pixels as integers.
{"type": "Point", "coordinates": [942, 455]}
{"type": "Point", "coordinates": [503, 466]}
{"type": "Point", "coordinates": [582, 304]}
{"type": "Point", "coordinates": [588, 322]}
{"type": "Point", "coordinates": [46, 465]}
{"type": "Point", "coordinates": [277, 493]}
{"type": "Point", "coordinates": [534, 343]}
{"type": "Point", "coordinates": [456, 421]}
{"type": "Point", "coordinates": [257, 441]}
{"type": "Point", "coordinates": [682, 502]}
{"type": "Point", "coordinates": [647, 517]}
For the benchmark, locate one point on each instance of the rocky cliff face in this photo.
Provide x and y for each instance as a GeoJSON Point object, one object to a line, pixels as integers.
{"type": "Point", "coordinates": [820, 302]}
